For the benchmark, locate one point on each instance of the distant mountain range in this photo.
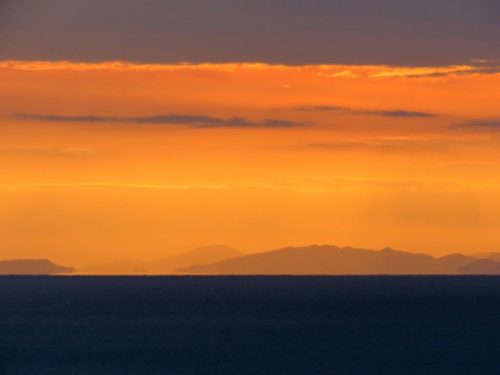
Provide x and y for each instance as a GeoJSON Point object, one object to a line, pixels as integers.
{"type": "Point", "coordinates": [310, 260]}
{"type": "Point", "coordinates": [32, 267]}
{"type": "Point", "coordinates": [333, 260]}
{"type": "Point", "coordinates": [165, 266]}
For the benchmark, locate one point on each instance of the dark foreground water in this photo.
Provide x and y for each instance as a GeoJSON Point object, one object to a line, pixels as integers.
{"type": "Point", "coordinates": [249, 325]}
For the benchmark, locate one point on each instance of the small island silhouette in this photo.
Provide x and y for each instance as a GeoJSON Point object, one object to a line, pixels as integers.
{"type": "Point", "coordinates": [32, 267]}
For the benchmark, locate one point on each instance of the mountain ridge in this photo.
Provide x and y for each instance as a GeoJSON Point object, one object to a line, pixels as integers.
{"type": "Point", "coordinates": [334, 260]}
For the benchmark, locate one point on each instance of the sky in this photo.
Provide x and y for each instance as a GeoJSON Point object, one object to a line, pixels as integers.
{"type": "Point", "coordinates": [138, 129]}
{"type": "Point", "coordinates": [403, 32]}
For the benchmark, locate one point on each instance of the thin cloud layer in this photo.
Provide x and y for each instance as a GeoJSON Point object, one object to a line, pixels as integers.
{"type": "Point", "coordinates": [487, 125]}
{"type": "Point", "coordinates": [49, 152]}
{"type": "Point", "coordinates": [194, 121]}
{"type": "Point", "coordinates": [400, 113]}
{"type": "Point", "coordinates": [338, 71]}
{"type": "Point", "coordinates": [349, 146]}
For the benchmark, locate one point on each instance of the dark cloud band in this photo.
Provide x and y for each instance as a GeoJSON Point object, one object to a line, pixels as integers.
{"type": "Point", "coordinates": [384, 113]}
{"type": "Point", "coordinates": [489, 125]}
{"type": "Point", "coordinates": [195, 121]}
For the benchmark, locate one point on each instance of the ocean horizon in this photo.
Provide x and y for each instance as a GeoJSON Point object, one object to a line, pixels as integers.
{"type": "Point", "coordinates": [249, 325]}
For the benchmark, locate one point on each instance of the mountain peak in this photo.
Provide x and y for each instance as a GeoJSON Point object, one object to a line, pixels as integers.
{"type": "Point", "coordinates": [387, 250]}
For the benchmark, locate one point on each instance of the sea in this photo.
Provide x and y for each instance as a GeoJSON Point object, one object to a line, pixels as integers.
{"type": "Point", "coordinates": [250, 325]}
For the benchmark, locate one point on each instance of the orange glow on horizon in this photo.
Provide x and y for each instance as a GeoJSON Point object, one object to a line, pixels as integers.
{"type": "Point", "coordinates": [117, 160]}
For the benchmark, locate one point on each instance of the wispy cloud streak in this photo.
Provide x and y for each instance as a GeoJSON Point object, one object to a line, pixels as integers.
{"type": "Point", "coordinates": [49, 152]}
{"type": "Point", "coordinates": [194, 121]}
{"type": "Point", "coordinates": [399, 113]}
{"type": "Point", "coordinates": [485, 125]}
{"type": "Point", "coordinates": [342, 71]}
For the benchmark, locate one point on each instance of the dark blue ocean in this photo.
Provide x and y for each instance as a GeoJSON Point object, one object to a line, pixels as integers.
{"type": "Point", "coordinates": [249, 325]}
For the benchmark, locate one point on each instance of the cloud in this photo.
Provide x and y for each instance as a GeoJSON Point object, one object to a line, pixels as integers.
{"type": "Point", "coordinates": [194, 121]}
{"type": "Point", "coordinates": [119, 185]}
{"type": "Point", "coordinates": [388, 144]}
{"type": "Point", "coordinates": [485, 125]}
{"type": "Point", "coordinates": [320, 108]}
{"type": "Point", "coordinates": [349, 146]}
{"type": "Point", "coordinates": [49, 152]}
{"type": "Point", "coordinates": [367, 71]}
{"type": "Point", "coordinates": [465, 72]}
{"type": "Point", "coordinates": [399, 113]}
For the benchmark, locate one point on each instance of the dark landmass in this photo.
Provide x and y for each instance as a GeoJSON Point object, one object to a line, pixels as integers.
{"type": "Point", "coordinates": [32, 267]}
{"type": "Point", "coordinates": [332, 260]}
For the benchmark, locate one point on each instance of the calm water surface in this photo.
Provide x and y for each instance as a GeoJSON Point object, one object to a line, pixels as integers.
{"type": "Point", "coordinates": [250, 325]}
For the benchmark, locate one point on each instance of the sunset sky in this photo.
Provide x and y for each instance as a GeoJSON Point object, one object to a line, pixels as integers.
{"type": "Point", "coordinates": [138, 129]}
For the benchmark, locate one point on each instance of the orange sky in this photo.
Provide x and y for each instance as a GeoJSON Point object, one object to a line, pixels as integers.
{"type": "Point", "coordinates": [109, 161]}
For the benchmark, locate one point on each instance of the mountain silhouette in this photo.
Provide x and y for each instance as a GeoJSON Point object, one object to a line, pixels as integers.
{"type": "Point", "coordinates": [492, 256]}
{"type": "Point", "coordinates": [333, 260]}
{"type": "Point", "coordinates": [198, 256]}
{"type": "Point", "coordinates": [453, 262]}
{"type": "Point", "coordinates": [32, 267]}
{"type": "Point", "coordinates": [310, 260]}
{"type": "Point", "coordinates": [168, 265]}
{"type": "Point", "coordinates": [481, 267]}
